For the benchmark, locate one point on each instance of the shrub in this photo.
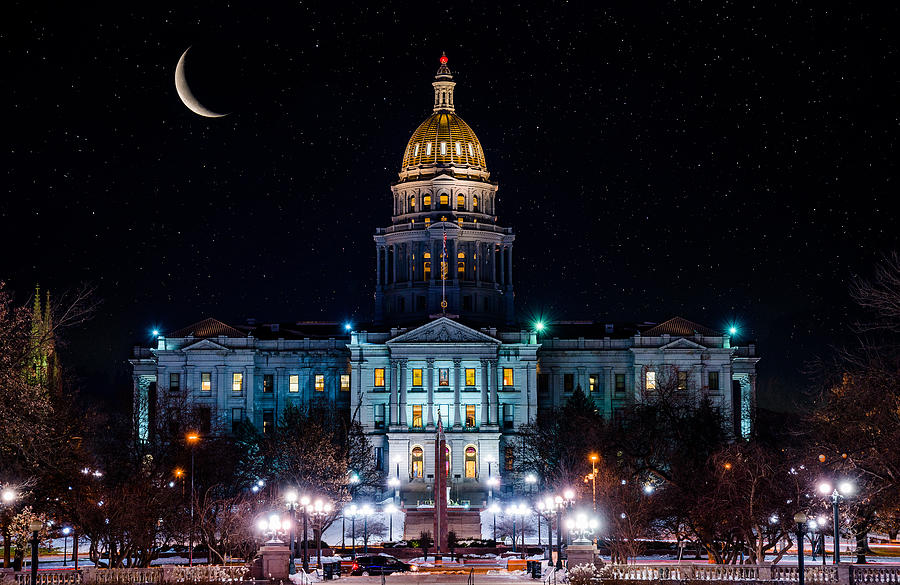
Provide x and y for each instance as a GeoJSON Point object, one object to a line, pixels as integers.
{"type": "Point", "coordinates": [582, 574]}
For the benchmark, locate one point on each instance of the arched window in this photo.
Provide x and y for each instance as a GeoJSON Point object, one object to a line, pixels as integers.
{"type": "Point", "coordinates": [445, 200]}
{"type": "Point", "coordinates": [460, 201]}
{"type": "Point", "coordinates": [471, 152]}
{"type": "Point", "coordinates": [428, 149]}
{"type": "Point", "coordinates": [443, 148]}
{"type": "Point", "coordinates": [471, 461]}
{"type": "Point", "coordinates": [426, 266]}
{"type": "Point", "coordinates": [426, 202]}
{"type": "Point", "coordinates": [461, 264]}
{"type": "Point", "coordinates": [417, 463]}
{"type": "Point", "coordinates": [474, 201]}
{"type": "Point", "coordinates": [447, 461]}
{"type": "Point", "coordinates": [412, 202]}
{"type": "Point", "coordinates": [458, 149]}
{"type": "Point", "coordinates": [416, 150]}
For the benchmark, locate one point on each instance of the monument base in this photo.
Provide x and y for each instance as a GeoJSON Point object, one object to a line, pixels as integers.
{"type": "Point", "coordinates": [581, 554]}
{"type": "Point", "coordinates": [272, 561]}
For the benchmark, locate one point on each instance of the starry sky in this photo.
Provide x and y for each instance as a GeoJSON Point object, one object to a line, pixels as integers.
{"type": "Point", "coordinates": [721, 161]}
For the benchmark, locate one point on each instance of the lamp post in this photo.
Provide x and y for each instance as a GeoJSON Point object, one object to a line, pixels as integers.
{"type": "Point", "coordinates": [800, 519]}
{"type": "Point", "coordinates": [304, 502]}
{"type": "Point", "coordinates": [34, 527]}
{"type": "Point", "coordinates": [568, 501]}
{"type": "Point", "coordinates": [843, 490]}
{"type": "Point", "coordinates": [365, 511]}
{"type": "Point", "coordinates": [65, 531]}
{"type": "Point", "coordinates": [518, 510]}
{"type": "Point", "coordinates": [813, 536]}
{"type": "Point", "coordinates": [594, 459]}
{"type": "Point", "coordinates": [319, 510]}
{"type": "Point", "coordinates": [353, 510]}
{"type": "Point", "coordinates": [494, 509]}
{"type": "Point", "coordinates": [7, 497]}
{"type": "Point", "coordinates": [192, 440]}
{"type": "Point", "coordinates": [390, 509]}
{"type": "Point", "coordinates": [291, 499]}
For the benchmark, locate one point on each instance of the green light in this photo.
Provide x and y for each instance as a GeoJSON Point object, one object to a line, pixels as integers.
{"type": "Point", "coordinates": [156, 333]}
{"type": "Point", "coordinates": [539, 326]}
{"type": "Point", "coordinates": [732, 330]}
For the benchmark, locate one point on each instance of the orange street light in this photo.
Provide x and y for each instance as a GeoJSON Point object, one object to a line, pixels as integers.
{"type": "Point", "coordinates": [192, 439]}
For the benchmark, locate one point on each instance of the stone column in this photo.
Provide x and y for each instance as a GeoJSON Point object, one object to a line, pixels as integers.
{"type": "Point", "coordinates": [394, 257]}
{"type": "Point", "coordinates": [249, 390]}
{"type": "Point", "coordinates": [638, 383]}
{"type": "Point", "coordinates": [430, 362]}
{"type": "Point", "coordinates": [409, 264]}
{"type": "Point", "coordinates": [502, 265]}
{"type": "Point", "coordinates": [378, 266]}
{"type": "Point", "coordinates": [395, 390]}
{"type": "Point", "coordinates": [495, 399]}
{"type": "Point", "coordinates": [457, 364]}
{"type": "Point", "coordinates": [402, 393]}
{"type": "Point", "coordinates": [485, 367]}
{"type": "Point", "coordinates": [476, 258]}
{"type": "Point", "coordinates": [509, 261]}
{"type": "Point", "coordinates": [222, 390]}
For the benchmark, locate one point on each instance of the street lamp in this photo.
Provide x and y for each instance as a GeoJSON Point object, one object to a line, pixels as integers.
{"type": "Point", "coordinates": [65, 531]}
{"type": "Point", "coordinates": [493, 510]}
{"type": "Point", "coordinates": [583, 526]}
{"type": "Point", "coordinates": [390, 509]}
{"type": "Point", "coordinates": [7, 497]}
{"type": "Point", "coordinates": [492, 483]}
{"type": "Point", "coordinates": [593, 476]}
{"type": "Point", "coordinates": [192, 439]}
{"type": "Point", "coordinates": [34, 527]}
{"type": "Point", "coordinates": [517, 510]}
{"type": "Point", "coordinates": [353, 511]}
{"type": "Point", "coordinates": [844, 489]}
{"type": "Point", "coordinates": [291, 498]}
{"type": "Point", "coordinates": [319, 510]}
{"type": "Point", "coordinates": [366, 510]}
{"type": "Point", "coordinates": [304, 502]}
{"type": "Point", "coordinates": [800, 520]}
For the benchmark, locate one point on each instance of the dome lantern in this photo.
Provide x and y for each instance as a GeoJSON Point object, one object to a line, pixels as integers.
{"type": "Point", "coordinates": [443, 87]}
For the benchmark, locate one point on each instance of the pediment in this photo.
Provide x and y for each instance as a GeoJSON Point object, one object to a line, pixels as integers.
{"type": "Point", "coordinates": [683, 343]}
{"type": "Point", "coordinates": [443, 330]}
{"type": "Point", "coordinates": [204, 344]}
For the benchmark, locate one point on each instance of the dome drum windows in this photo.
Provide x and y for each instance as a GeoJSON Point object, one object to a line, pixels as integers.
{"type": "Point", "coordinates": [458, 149]}
{"type": "Point", "coordinates": [428, 149]}
{"type": "Point", "coordinates": [443, 149]}
{"type": "Point", "coordinates": [416, 150]}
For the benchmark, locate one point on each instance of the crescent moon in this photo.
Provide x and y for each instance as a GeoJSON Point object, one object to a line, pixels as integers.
{"type": "Point", "coordinates": [186, 95]}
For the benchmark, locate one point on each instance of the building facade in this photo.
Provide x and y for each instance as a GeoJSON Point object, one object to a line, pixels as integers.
{"type": "Point", "coordinates": [443, 346]}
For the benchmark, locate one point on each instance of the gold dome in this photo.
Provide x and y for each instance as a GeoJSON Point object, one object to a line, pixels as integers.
{"type": "Point", "coordinates": [444, 139]}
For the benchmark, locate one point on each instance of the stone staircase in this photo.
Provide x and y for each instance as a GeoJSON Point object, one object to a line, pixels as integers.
{"type": "Point", "coordinates": [465, 523]}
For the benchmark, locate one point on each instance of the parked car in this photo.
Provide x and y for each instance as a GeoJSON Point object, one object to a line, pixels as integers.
{"type": "Point", "coordinates": [379, 565]}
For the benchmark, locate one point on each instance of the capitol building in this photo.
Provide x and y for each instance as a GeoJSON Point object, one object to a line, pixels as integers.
{"type": "Point", "coordinates": [445, 343]}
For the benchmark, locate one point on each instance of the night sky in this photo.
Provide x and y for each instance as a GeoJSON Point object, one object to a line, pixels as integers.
{"type": "Point", "coordinates": [721, 162]}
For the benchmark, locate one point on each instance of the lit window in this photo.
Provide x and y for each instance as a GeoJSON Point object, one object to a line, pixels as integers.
{"type": "Point", "coordinates": [475, 201]}
{"type": "Point", "coordinates": [509, 459]}
{"type": "Point", "coordinates": [470, 416]}
{"type": "Point", "coordinates": [461, 201]}
{"type": "Point", "coordinates": [417, 463]}
{"type": "Point", "coordinates": [461, 267]}
{"type": "Point", "coordinates": [417, 416]}
{"type": "Point", "coordinates": [174, 382]}
{"type": "Point", "coordinates": [443, 377]}
{"type": "Point", "coordinates": [417, 377]}
{"type": "Point", "coordinates": [471, 152]}
{"type": "Point", "coordinates": [428, 149]}
{"type": "Point", "coordinates": [445, 199]}
{"type": "Point", "coordinates": [447, 461]}
{"type": "Point", "coordinates": [682, 380]}
{"type": "Point", "coordinates": [458, 149]}
{"type": "Point", "coordinates": [268, 421]}
{"type": "Point", "coordinates": [237, 382]}
{"type": "Point", "coordinates": [651, 380]}
{"type": "Point", "coordinates": [268, 383]}
{"type": "Point", "coordinates": [426, 201]}
{"type": "Point", "coordinates": [443, 148]}
{"type": "Point", "coordinates": [345, 382]}
{"type": "Point", "coordinates": [507, 377]}
{"type": "Point", "coordinates": [206, 382]}
{"type": "Point", "coordinates": [379, 377]}
{"type": "Point", "coordinates": [320, 383]}
{"type": "Point", "coordinates": [412, 202]}
{"type": "Point", "coordinates": [471, 461]}
{"type": "Point", "coordinates": [459, 221]}
{"type": "Point", "coordinates": [426, 269]}
{"type": "Point", "coordinates": [470, 376]}
{"type": "Point", "coordinates": [416, 150]}
{"type": "Point", "coordinates": [294, 383]}
{"type": "Point", "coordinates": [594, 383]}
{"type": "Point", "coordinates": [714, 380]}
{"type": "Point", "coordinates": [427, 220]}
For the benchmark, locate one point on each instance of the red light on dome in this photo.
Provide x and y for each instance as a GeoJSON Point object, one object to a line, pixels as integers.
{"type": "Point", "coordinates": [444, 59]}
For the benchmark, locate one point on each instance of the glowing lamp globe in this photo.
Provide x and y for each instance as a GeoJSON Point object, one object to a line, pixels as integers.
{"type": "Point", "coordinates": [846, 487]}
{"type": "Point", "coordinates": [444, 59]}
{"type": "Point", "coordinates": [824, 488]}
